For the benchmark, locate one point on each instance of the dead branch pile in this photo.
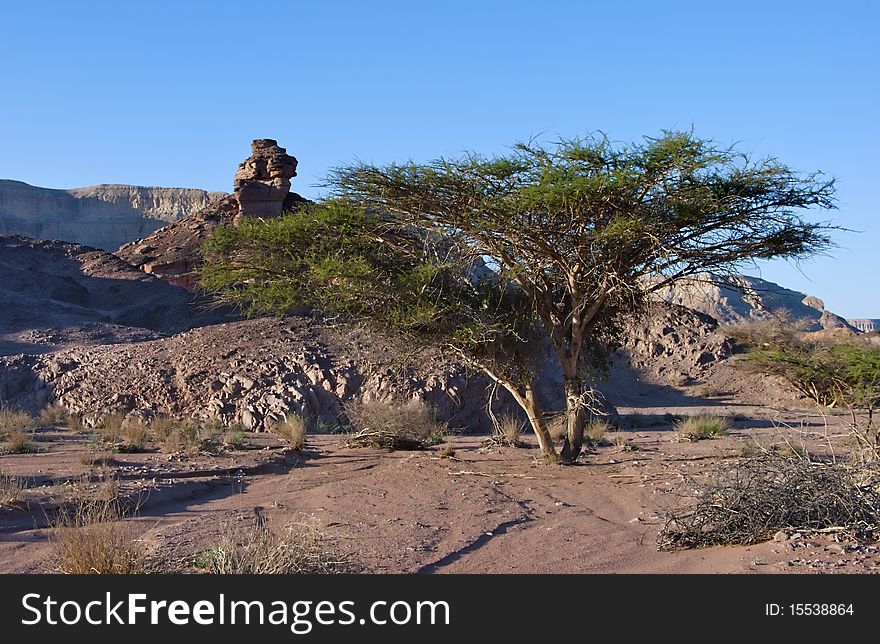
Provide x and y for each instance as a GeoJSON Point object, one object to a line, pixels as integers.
{"type": "Point", "coordinates": [385, 439]}
{"type": "Point", "coordinates": [748, 501]}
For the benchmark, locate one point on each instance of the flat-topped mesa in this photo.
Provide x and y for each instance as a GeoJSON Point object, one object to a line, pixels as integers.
{"type": "Point", "coordinates": [262, 182]}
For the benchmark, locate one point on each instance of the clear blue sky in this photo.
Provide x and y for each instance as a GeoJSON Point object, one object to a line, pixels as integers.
{"type": "Point", "coordinates": [171, 93]}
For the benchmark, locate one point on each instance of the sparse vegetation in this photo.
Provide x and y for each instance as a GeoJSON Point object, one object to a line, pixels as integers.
{"type": "Point", "coordinates": [749, 500]}
{"type": "Point", "coordinates": [12, 489]}
{"type": "Point", "coordinates": [390, 425]}
{"type": "Point", "coordinates": [93, 459]}
{"type": "Point", "coordinates": [703, 427]}
{"type": "Point", "coordinates": [75, 424]}
{"type": "Point", "coordinates": [19, 442]}
{"type": "Point", "coordinates": [508, 431]}
{"type": "Point", "coordinates": [831, 373]}
{"type": "Point", "coordinates": [135, 435]}
{"type": "Point", "coordinates": [235, 438]}
{"type": "Point", "coordinates": [53, 415]}
{"type": "Point", "coordinates": [253, 548]}
{"type": "Point", "coordinates": [597, 432]}
{"type": "Point", "coordinates": [93, 538]}
{"type": "Point", "coordinates": [14, 421]}
{"type": "Point", "coordinates": [109, 427]}
{"type": "Point", "coordinates": [292, 431]}
{"type": "Point", "coordinates": [447, 450]}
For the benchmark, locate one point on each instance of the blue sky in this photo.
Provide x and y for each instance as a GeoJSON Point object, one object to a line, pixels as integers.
{"type": "Point", "coordinates": [171, 93]}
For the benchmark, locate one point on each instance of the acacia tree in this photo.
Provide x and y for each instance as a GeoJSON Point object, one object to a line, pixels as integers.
{"type": "Point", "coordinates": [547, 246]}
{"type": "Point", "coordinates": [585, 228]}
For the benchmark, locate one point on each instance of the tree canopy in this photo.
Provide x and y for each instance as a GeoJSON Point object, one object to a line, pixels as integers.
{"type": "Point", "coordinates": [547, 246]}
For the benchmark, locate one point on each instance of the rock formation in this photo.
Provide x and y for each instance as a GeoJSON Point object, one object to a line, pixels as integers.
{"type": "Point", "coordinates": [865, 326]}
{"type": "Point", "coordinates": [262, 182]}
{"type": "Point", "coordinates": [736, 298]}
{"type": "Point", "coordinates": [172, 252]}
{"type": "Point", "coordinates": [104, 216]}
{"type": "Point", "coordinates": [262, 189]}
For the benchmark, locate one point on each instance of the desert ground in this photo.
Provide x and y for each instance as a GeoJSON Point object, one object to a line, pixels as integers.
{"type": "Point", "coordinates": [487, 509]}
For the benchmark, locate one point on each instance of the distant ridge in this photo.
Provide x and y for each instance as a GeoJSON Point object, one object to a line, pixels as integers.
{"type": "Point", "coordinates": [103, 216]}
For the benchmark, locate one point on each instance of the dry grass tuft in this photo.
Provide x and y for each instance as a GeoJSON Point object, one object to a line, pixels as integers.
{"type": "Point", "coordinates": [12, 489]}
{"type": "Point", "coordinates": [109, 428]}
{"type": "Point", "coordinates": [19, 442]}
{"type": "Point", "coordinates": [97, 459]}
{"type": "Point", "coordinates": [75, 424]}
{"type": "Point", "coordinates": [447, 450]}
{"type": "Point", "coordinates": [53, 415]}
{"type": "Point", "coordinates": [14, 421]}
{"type": "Point", "coordinates": [135, 435]}
{"type": "Point", "coordinates": [254, 548]}
{"type": "Point", "coordinates": [184, 436]}
{"type": "Point", "coordinates": [292, 431]}
{"type": "Point", "coordinates": [508, 431]}
{"type": "Point", "coordinates": [388, 425]}
{"type": "Point", "coordinates": [751, 499]}
{"type": "Point", "coordinates": [93, 538]}
{"type": "Point", "coordinates": [697, 428]}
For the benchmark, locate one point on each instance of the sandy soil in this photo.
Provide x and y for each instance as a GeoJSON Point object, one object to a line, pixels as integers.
{"type": "Point", "coordinates": [487, 509]}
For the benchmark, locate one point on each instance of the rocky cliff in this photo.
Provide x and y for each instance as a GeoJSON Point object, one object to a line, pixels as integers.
{"type": "Point", "coordinates": [104, 216]}
{"type": "Point", "coordinates": [865, 326]}
{"type": "Point", "coordinates": [732, 299]}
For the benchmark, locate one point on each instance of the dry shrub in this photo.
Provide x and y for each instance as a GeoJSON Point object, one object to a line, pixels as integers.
{"type": "Point", "coordinates": [253, 548]}
{"type": "Point", "coordinates": [388, 425]}
{"type": "Point", "coordinates": [292, 431]}
{"type": "Point", "coordinates": [109, 427]}
{"type": "Point", "coordinates": [557, 425]}
{"type": "Point", "coordinates": [180, 435]}
{"type": "Point", "coordinates": [14, 421]}
{"type": "Point", "coordinates": [75, 424]}
{"type": "Point", "coordinates": [447, 450]}
{"type": "Point", "coordinates": [597, 432]}
{"type": "Point", "coordinates": [93, 538]}
{"type": "Point", "coordinates": [12, 489]}
{"type": "Point", "coordinates": [135, 435]}
{"type": "Point", "coordinates": [19, 442]}
{"type": "Point", "coordinates": [53, 415]}
{"type": "Point", "coordinates": [697, 428]}
{"type": "Point", "coordinates": [770, 330]}
{"type": "Point", "coordinates": [97, 459]}
{"type": "Point", "coordinates": [749, 500]}
{"type": "Point", "coordinates": [507, 431]}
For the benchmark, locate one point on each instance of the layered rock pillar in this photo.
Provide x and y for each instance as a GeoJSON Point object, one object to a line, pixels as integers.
{"type": "Point", "coordinates": [262, 182]}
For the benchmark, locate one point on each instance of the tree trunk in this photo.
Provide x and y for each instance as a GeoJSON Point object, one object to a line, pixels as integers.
{"type": "Point", "coordinates": [536, 420]}
{"type": "Point", "coordinates": [576, 411]}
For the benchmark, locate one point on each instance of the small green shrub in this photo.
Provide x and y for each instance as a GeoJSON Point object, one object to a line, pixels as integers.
{"type": "Point", "coordinates": [697, 428]}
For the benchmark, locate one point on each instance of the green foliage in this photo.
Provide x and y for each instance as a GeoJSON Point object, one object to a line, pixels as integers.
{"type": "Point", "coordinates": [697, 428]}
{"type": "Point", "coordinates": [570, 231]}
{"type": "Point", "coordinates": [830, 373]}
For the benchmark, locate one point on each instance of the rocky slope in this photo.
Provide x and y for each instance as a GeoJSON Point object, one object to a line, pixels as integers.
{"type": "Point", "coordinates": [733, 299]}
{"type": "Point", "coordinates": [261, 188]}
{"type": "Point", "coordinates": [56, 293]}
{"type": "Point", "coordinates": [104, 216]}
